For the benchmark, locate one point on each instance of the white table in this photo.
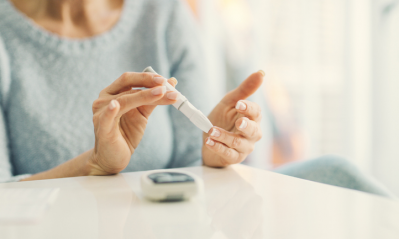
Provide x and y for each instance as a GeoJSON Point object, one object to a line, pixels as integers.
{"type": "Point", "coordinates": [238, 202]}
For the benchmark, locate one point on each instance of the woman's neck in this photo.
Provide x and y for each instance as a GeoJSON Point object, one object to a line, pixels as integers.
{"type": "Point", "coordinates": [72, 18]}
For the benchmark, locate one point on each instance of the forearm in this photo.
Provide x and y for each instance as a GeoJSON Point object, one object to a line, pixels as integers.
{"type": "Point", "coordinates": [79, 166]}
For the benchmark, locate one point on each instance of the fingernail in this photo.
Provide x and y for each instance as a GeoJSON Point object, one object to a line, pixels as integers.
{"type": "Point", "coordinates": [112, 104]}
{"type": "Point", "coordinates": [215, 133]}
{"type": "Point", "coordinates": [175, 80]}
{"type": "Point", "coordinates": [159, 90]}
{"type": "Point", "coordinates": [172, 95]}
{"type": "Point", "coordinates": [262, 72]}
{"type": "Point", "coordinates": [243, 124]}
{"type": "Point", "coordinates": [159, 80]}
{"type": "Point", "coordinates": [210, 142]}
{"type": "Point", "coordinates": [241, 106]}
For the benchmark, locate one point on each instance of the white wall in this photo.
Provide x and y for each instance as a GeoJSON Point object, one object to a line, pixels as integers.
{"type": "Point", "coordinates": [386, 94]}
{"type": "Point", "coordinates": [339, 61]}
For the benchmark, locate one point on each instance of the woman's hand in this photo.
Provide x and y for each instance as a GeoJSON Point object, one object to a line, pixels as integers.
{"type": "Point", "coordinates": [120, 117]}
{"type": "Point", "coordinates": [237, 127]}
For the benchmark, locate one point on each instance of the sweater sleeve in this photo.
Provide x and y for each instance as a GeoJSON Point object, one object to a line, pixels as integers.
{"type": "Point", "coordinates": [187, 66]}
{"type": "Point", "coordinates": [6, 174]}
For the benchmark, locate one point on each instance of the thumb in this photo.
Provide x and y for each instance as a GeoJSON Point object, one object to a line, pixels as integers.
{"type": "Point", "coordinates": [245, 89]}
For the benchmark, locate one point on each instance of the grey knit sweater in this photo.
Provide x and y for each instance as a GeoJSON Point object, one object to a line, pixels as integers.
{"type": "Point", "coordinates": [48, 84]}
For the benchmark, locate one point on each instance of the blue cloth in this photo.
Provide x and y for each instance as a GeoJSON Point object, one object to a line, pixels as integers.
{"type": "Point", "coordinates": [48, 84]}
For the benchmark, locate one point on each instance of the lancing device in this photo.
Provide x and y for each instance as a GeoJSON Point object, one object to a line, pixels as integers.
{"type": "Point", "coordinates": [184, 106]}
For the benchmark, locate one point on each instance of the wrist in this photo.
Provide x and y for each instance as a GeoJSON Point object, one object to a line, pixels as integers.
{"type": "Point", "coordinates": [93, 168]}
{"type": "Point", "coordinates": [89, 165]}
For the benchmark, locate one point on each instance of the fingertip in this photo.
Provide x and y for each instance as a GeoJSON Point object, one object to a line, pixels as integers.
{"type": "Point", "coordinates": [256, 79]}
{"type": "Point", "coordinates": [214, 132]}
{"type": "Point", "coordinates": [158, 91]}
{"type": "Point", "coordinates": [210, 142]}
{"type": "Point", "coordinates": [173, 81]}
{"type": "Point", "coordinates": [241, 105]}
{"type": "Point", "coordinates": [212, 129]}
{"type": "Point", "coordinates": [160, 80]}
{"type": "Point", "coordinates": [172, 95]}
{"type": "Point", "coordinates": [241, 125]}
{"type": "Point", "coordinates": [113, 105]}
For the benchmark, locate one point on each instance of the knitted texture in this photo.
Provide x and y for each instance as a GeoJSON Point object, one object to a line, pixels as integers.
{"type": "Point", "coordinates": [48, 84]}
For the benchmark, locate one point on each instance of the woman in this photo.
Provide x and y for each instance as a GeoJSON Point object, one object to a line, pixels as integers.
{"type": "Point", "coordinates": [60, 56]}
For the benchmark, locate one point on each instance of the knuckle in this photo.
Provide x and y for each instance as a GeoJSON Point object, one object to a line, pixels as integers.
{"type": "Point", "coordinates": [222, 136]}
{"type": "Point", "coordinates": [260, 135]}
{"type": "Point", "coordinates": [122, 101]}
{"type": "Point", "coordinates": [218, 147]}
{"type": "Point", "coordinates": [224, 162]}
{"type": "Point", "coordinates": [121, 83]}
{"type": "Point", "coordinates": [102, 92]}
{"type": "Point", "coordinates": [236, 142]}
{"type": "Point", "coordinates": [250, 106]}
{"type": "Point", "coordinates": [146, 76]}
{"type": "Point", "coordinates": [254, 132]}
{"type": "Point", "coordinates": [95, 119]}
{"type": "Point", "coordinates": [124, 77]}
{"type": "Point", "coordinates": [251, 148]}
{"type": "Point", "coordinates": [97, 104]}
{"type": "Point", "coordinates": [256, 111]}
{"type": "Point", "coordinates": [227, 153]}
{"type": "Point", "coordinates": [258, 114]}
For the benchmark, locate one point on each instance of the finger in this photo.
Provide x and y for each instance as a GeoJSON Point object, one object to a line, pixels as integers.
{"type": "Point", "coordinates": [172, 81]}
{"type": "Point", "coordinates": [245, 89]}
{"type": "Point", "coordinates": [228, 155]}
{"type": "Point", "coordinates": [169, 98]}
{"type": "Point", "coordinates": [107, 118]}
{"type": "Point", "coordinates": [231, 140]}
{"type": "Point", "coordinates": [249, 129]}
{"type": "Point", "coordinates": [133, 79]}
{"type": "Point", "coordinates": [249, 109]}
{"type": "Point", "coordinates": [144, 97]}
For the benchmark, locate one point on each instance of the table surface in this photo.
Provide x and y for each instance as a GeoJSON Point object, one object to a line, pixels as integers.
{"type": "Point", "coordinates": [238, 202]}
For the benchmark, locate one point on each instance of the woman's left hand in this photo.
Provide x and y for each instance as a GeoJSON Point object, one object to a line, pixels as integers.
{"type": "Point", "coordinates": [237, 126]}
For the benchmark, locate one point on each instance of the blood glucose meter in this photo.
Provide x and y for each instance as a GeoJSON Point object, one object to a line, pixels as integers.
{"type": "Point", "coordinates": [169, 185]}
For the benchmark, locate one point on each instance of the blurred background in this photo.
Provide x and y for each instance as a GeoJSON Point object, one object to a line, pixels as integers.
{"type": "Point", "coordinates": [332, 76]}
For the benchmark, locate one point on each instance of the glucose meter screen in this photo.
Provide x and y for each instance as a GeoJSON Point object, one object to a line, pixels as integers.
{"type": "Point", "coordinates": [170, 178]}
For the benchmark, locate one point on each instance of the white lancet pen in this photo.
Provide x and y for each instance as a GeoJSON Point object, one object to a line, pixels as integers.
{"type": "Point", "coordinates": [184, 106]}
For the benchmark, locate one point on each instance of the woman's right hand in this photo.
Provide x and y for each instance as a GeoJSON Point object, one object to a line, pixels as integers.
{"type": "Point", "coordinates": [120, 117]}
